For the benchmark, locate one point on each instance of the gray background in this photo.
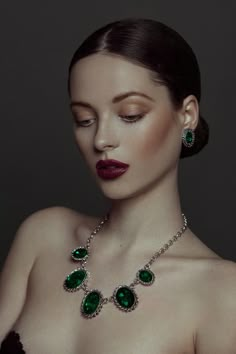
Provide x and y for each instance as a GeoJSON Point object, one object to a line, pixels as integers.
{"type": "Point", "coordinates": [40, 164]}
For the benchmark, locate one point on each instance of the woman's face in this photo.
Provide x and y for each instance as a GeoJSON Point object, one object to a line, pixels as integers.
{"type": "Point", "coordinates": [150, 145]}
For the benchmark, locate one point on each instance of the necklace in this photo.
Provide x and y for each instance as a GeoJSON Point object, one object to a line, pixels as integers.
{"type": "Point", "coordinates": [124, 297]}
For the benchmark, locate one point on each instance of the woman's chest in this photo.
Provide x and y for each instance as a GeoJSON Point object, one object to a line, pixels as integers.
{"type": "Point", "coordinates": [60, 328]}
{"type": "Point", "coordinates": [51, 321]}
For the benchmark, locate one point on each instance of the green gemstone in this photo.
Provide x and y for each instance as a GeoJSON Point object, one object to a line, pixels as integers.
{"type": "Point", "coordinates": [75, 279]}
{"type": "Point", "coordinates": [125, 297]}
{"type": "Point", "coordinates": [79, 253]}
{"type": "Point", "coordinates": [146, 276]}
{"type": "Point", "coordinates": [91, 302]}
{"type": "Point", "coordinates": [189, 137]}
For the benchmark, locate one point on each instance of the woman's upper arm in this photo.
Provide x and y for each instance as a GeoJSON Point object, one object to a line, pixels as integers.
{"type": "Point", "coordinates": [17, 267]}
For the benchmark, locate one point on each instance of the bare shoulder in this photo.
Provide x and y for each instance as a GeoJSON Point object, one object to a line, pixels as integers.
{"type": "Point", "coordinates": [216, 332]}
{"type": "Point", "coordinates": [47, 226]}
{"type": "Point", "coordinates": [66, 217]}
{"type": "Point", "coordinates": [62, 214]}
{"type": "Point", "coordinates": [217, 283]}
{"type": "Point", "coordinates": [55, 224]}
{"type": "Point", "coordinates": [220, 277]}
{"type": "Point", "coordinates": [225, 280]}
{"type": "Point", "coordinates": [54, 214]}
{"type": "Point", "coordinates": [57, 217]}
{"type": "Point", "coordinates": [36, 233]}
{"type": "Point", "coordinates": [49, 216]}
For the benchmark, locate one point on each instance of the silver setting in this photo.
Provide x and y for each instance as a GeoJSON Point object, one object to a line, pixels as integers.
{"type": "Point", "coordinates": [146, 283]}
{"type": "Point", "coordinates": [184, 137]}
{"type": "Point", "coordinates": [99, 307]}
{"type": "Point", "coordinates": [72, 290]}
{"type": "Point", "coordinates": [169, 243]}
{"type": "Point", "coordinates": [105, 300]}
{"type": "Point", "coordinates": [79, 259]}
{"type": "Point", "coordinates": [136, 299]}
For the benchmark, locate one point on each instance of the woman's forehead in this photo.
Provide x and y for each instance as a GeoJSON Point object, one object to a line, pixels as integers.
{"type": "Point", "coordinates": [110, 75]}
{"type": "Point", "coordinates": [105, 67]}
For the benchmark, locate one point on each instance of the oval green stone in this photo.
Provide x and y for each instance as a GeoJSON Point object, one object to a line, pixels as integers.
{"type": "Point", "coordinates": [80, 253]}
{"type": "Point", "coordinates": [75, 279]}
{"type": "Point", "coordinates": [125, 297]}
{"type": "Point", "coordinates": [91, 302]}
{"type": "Point", "coordinates": [189, 137]}
{"type": "Point", "coordinates": [145, 275]}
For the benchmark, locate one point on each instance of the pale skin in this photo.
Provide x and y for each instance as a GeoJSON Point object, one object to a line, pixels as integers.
{"type": "Point", "coordinates": [191, 307]}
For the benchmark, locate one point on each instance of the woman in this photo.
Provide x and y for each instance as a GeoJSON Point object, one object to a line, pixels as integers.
{"type": "Point", "coordinates": [137, 279]}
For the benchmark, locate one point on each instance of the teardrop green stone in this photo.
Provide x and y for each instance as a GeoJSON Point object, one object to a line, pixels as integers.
{"type": "Point", "coordinates": [146, 276]}
{"type": "Point", "coordinates": [90, 303]}
{"type": "Point", "coordinates": [79, 253]}
{"type": "Point", "coordinates": [125, 297]}
{"type": "Point", "coordinates": [75, 279]}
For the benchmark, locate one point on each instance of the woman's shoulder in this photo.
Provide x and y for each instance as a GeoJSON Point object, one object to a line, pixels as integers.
{"type": "Point", "coordinates": [53, 214]}
{"type": "Point", "coordinates": [216, 329]}
{"type": "Point", "coordinates": [64, 217]}
{"type": "Point", "coordinates": [219, 277]}
{"type": "Point", "coordinates": [49, 226]}
{"type": "Point", "coordinates": [209, 289]}
{"type": "Point", "coordinates": [213, 275]}
{"type": "Point", "coordinates": [57, 216]}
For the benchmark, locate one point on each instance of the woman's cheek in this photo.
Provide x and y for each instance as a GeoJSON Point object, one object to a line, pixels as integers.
{"type": "Point", "coordinates": [155, 137]}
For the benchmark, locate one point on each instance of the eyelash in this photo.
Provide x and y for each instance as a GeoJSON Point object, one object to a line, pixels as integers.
{"type": "Point", "coordinates": [134, 119]}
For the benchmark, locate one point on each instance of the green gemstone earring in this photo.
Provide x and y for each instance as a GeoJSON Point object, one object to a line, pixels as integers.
{"type": "Point", "coordinates": [188, 137]}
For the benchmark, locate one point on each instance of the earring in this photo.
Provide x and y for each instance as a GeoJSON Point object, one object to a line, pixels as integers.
{"type": "Point", "coordinates": [188, 137]}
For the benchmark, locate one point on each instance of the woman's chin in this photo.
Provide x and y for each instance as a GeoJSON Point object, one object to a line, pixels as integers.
{"type": "Point", "coordinates": [115, 193]}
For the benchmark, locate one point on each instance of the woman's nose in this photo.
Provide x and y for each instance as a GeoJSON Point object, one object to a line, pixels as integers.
{"type": "Point", "coordinates": [106, 136]}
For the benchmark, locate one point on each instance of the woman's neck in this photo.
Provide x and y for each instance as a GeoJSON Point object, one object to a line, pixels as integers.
{"type": "Point", "coordinates": [144, 220]}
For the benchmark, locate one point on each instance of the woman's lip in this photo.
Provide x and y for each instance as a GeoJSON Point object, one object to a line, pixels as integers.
{"type": "Point", "coordinates": [110, 173]}
{"type": "Point", "coordinates": [111, 162]}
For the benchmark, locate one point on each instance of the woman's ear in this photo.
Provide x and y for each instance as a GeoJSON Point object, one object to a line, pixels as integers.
{"type": "Point", "coordinates": [190, 112]}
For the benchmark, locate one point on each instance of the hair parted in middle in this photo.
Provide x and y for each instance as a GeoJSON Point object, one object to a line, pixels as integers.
{"type": "Point", "coordinates": [158, 48]}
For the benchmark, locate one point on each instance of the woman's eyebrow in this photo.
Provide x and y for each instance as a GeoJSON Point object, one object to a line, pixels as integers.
{"type": "Point", "coordinates": [115, 99]}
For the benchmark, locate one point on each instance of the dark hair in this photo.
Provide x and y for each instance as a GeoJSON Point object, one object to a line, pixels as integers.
{"type": "Point", "coordinates": [160, 49]}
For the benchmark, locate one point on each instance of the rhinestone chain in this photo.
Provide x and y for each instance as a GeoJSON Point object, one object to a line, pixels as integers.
{"type": "Point", "coordinates": [146, 266]}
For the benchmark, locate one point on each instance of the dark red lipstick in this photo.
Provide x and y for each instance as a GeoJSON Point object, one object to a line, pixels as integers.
{"type": "Point", "coordinates": [109, 169]}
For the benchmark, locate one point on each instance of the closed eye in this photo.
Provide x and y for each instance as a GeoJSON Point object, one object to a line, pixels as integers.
{"type": "Point", "coordinates": [132, 118]}
{"type": "Point", "coordinates": [82, 123]}
{"type": "Point", "coordinates": [126, 118]}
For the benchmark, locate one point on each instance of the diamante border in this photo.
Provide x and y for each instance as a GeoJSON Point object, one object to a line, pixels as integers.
{"type": "Point", "coordinates": [72, 290]}
{"type": "Point", "coordinates": [99, 307]}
